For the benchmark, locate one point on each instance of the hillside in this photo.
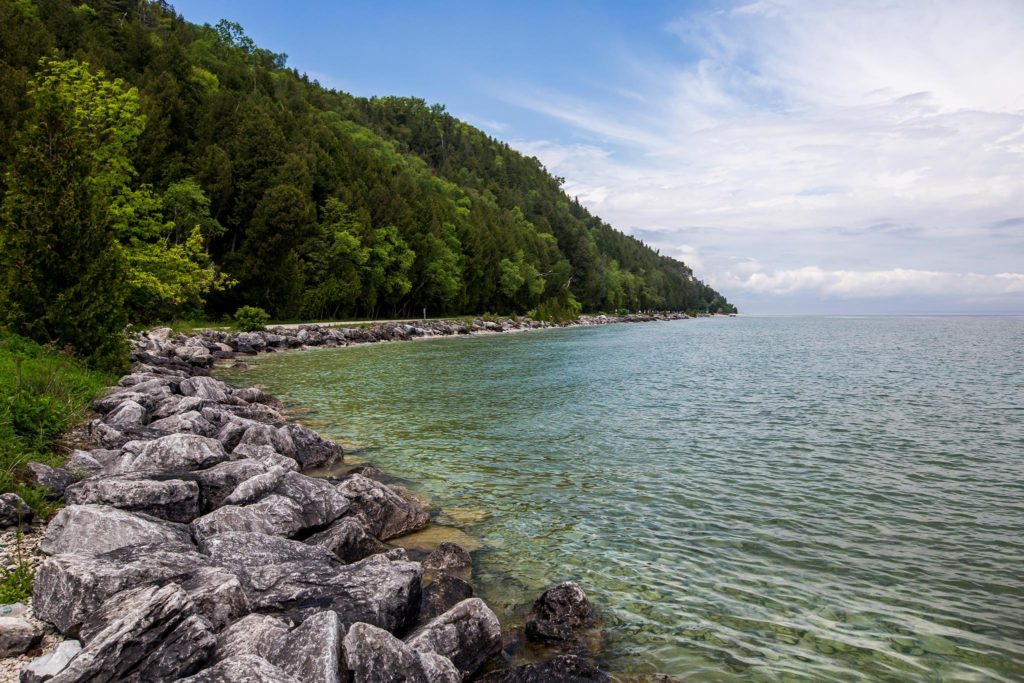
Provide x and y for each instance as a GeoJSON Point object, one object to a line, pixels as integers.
{"type": "Point", "coordinates": [246, 182]}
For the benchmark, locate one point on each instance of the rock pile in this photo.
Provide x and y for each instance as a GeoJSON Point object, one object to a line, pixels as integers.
{"type": "Point", "coordinates": [193, 547]}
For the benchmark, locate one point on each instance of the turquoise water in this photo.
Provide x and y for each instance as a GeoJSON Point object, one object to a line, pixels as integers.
{"type": "Point", "coordinates": [750, 499]}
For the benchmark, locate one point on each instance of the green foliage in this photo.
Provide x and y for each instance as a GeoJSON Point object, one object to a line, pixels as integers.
{"type": "Point", "coordinates": [322, 204]}
{"type": "Point", "coordinates": [16, 583]}
{"type": "Point", "coordinates": [43, 393]}
{"type": "Point", "coordinates": [251, 319]}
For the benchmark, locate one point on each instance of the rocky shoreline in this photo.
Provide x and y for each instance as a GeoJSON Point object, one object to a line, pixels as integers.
{"type": "Point", "coordinates": [192, 546]}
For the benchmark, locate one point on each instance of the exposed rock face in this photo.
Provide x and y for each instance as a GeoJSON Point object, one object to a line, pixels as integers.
{"type": "Point", "coordinates": [70, 587]}
{"type": "Point", "coordinates": [217, 595]}
{"type": "Point", "coordinates": [54, 480]}
{"type": "Point", "coordinates": [467, 635]}
{"type": "Point", "coordinates": [313, 651]}
{"type": "Point", "coordinates": [561, 669]}
{"type": "Point", "coordinates": [384, 512]}
{"type": "Point", "coordinates": [441, 594]}
{"type": "Point", "coordinates": [162, 496]}
{"type": "Point", "coordinates": [217, 483]}
{"type": "Point", "coordinates": [172, 453]}
{"type": "Point", "coordinates": [18, 636]}
{"type": "Point", "coordinates": [277, 503]}
{"type": "Point", "coordinates": [298, 579]}
{"type": "Point", "coordinates": [375, 656]}
{"type": "Point", "coordinates": [14, 511]}
{"type": "Point", "coordinates": [311, 450]}
{"type": "Point", "coordinates": [46, 667]}
{"type": "Point", "coordinates": [98, 529]}
{"type": "Point", "coordinates": [558, 613]}
{"type": "Point", "coordinates": [190, 422]}
{"type": "Point", "coordinates": [128, 413]}
{"type": "Point", "coordinates": [349, 540]}
{"type": "Point", "coordinates": [242, 669]}
{"type": "Point", "coordinates": [144, 634]}
{"type": "Point", "coordinates": [255, 634]}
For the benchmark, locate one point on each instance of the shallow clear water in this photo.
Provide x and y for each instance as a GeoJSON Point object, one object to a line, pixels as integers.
{"type": "Point", "coordinates": [746, 499]}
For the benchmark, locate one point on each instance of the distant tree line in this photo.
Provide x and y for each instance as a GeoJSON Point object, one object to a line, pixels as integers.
{"type": "Point", "coordinates": [153, 168]}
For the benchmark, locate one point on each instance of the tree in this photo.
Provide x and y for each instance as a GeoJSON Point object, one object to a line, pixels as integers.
{"type": "Point", "coordinates": [63, 268]}
{"type": "Point", "coordinates": [387, 268]}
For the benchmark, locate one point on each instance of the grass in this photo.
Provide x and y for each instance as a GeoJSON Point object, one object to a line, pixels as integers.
{"type": "Point", "coordinates": [16, 583]}
{"type": "Point", "coordinates": [43, 394]}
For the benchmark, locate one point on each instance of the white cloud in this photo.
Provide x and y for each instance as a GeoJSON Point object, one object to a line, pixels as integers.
{"type": "Point", "coordinates": [870, 138]}
{"type": "Point", "coordinates": [898, 282]}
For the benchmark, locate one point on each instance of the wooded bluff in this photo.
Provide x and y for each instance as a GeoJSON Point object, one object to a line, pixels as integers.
{"type": "Point", "coordinates": [154, 168]}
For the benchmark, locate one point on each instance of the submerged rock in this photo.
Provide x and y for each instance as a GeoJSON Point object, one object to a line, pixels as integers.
{"type": "Point", "coordinates": [558, 613]}
{"type": "Point", "coordinates": [448, 556]}
{"type": "Point", "coordinates": [562, 669]}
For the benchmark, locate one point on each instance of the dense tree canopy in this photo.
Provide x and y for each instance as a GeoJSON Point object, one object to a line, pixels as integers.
{"type": "Point", "coordinates": [235, 180]}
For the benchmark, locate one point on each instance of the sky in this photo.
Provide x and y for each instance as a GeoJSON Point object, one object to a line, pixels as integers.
{"type": "Point", "coordinates": [856, 157]}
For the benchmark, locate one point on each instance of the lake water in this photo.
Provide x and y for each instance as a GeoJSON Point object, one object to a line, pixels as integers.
{"type": "Point", "coordinates": [750, 499]}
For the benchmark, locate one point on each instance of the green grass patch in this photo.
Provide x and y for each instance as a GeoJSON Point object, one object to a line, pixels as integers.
{"type": "Point", "coordinates": [43, 394]}
{"type": "Point", "coordinates": [16, 583]}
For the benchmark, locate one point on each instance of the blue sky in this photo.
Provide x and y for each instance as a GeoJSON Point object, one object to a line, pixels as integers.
{"type": "Point", "coordinates": [803, 157]}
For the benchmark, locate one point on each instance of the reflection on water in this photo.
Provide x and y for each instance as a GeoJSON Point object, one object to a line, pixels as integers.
{"type": "Point", "coordinates": [746, 499]}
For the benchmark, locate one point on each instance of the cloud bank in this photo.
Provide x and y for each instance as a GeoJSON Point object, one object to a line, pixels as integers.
{"type": "Point", "coordinates": [864, 150]}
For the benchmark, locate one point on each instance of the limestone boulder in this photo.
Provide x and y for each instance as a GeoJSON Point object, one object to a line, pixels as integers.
{"type": "Point", "coordinates": [467, 635]}
{"type": "Point", "coordinates": [96, 529]}
{"type": "Point", "coordinates": [163, 496]}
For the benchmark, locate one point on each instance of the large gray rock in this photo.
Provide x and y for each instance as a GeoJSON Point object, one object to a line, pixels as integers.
{"type": "Point", "coordinates": [312, 652]}
{"type": "Point", "coordinates": [128, 413]}
{"type": "Point", "coordinates": [190, 422]}
{"type": "Point", "coordinates": [285, 576]}
{"type": "Point", "coordinates": [18, 636]}
{"type": "Point", "coordinates": [217, 595]}
{"type": "Point", "coordinates": [373, 655]}
{"type": "Point", "coordinates": [277, 503]}
{"type": "Point", "coordinates": [255, 634]}
{"type": "Point", "coordinates": [468, 634]}
{"type": "Point", "coordinates": [148, 634]}
{"type": "Point", "coordinates": [559, 613]}
{"type": "Point", "coordinates": [158, 495]}
{"type": "Point", "coordinates": [82, 464]}
{"type": "Point", "coordinates": [217, 483]}
{"type": "Point", "coordinates": [441, 594]}
{"type": "Point", "coordinates": [176, 405]}
{"type": "Point", "coordinates": [349, 540]}
{"type": "Point", "coordinates": [70, 587]}
{"type": "Point", "coordinates": [267, 456]}
{"type": "Point", "coordinates": [49, 665]}
{"type": "Point", "coordinates": [274, 516]}
{"type": "Point", "coordinates": [14, 511]}
{"type": "Point", "coordinates": [310, 449]}
{"type": "Point", "coordinates": [561, 669]}
{"type": "Point", "coordinates": [382, 509]}
{"type": "Point", "coordinates": [259, 434]}
{"type": "Point", "coordinates": [172, 453]}
{"type": "Point", "coordinates": [241, 551]}
{"type": "Point", "coordinates": [205, 387]}
{"type": "Point", "coordinates": [53, 480]}
{"type": "Point", "coordinates": [98, 529]}
{"type": "Point", "coordinates": [242, 669]}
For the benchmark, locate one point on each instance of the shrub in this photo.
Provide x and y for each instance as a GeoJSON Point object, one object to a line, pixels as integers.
{"type": "Point", "coordinates": [251, 319]}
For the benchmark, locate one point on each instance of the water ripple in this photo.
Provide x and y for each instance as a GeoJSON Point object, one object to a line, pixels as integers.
{"type": "Point", "coordinates": [824, 499]}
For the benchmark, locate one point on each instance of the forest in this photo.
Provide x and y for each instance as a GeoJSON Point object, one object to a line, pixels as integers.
{"type": "Point", "coordinates": [155, 169]}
